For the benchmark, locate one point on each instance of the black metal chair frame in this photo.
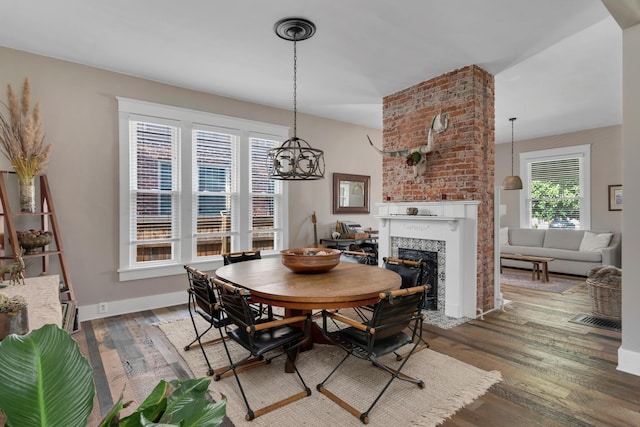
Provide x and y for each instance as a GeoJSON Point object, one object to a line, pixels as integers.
{"type": "Point", "coordinates": [233, 257]}
{"type": "Point", "coordinates": [402, 266]}
{"type": "Point", "coordinates": [410, 271]}
{"type": "Point", "coordinates": [261, 338]}
{"type": "Point", "coordinates": [384, 333]}
{"type": "Point", "coordinates": [408, 280]}
{"type": "Point", "coordinates": [203, 302]}
{"type": "Point", "coordinates": [360, 257]}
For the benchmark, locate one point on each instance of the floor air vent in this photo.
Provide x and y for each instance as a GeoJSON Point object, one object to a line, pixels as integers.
{"type": "Point", "coordinates": [597, 322]}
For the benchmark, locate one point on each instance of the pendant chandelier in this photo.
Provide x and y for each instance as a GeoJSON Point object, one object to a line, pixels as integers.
{"type": "Point", "coordinates": [512, 182]}
{"type": "Point", "coordinates": [295, 160]}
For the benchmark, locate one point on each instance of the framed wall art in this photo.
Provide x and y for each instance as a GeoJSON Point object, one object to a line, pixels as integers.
{"type": "Point", "coordinates": [350, 193]}
{"type": "Point", "coordinates": [615, 197]}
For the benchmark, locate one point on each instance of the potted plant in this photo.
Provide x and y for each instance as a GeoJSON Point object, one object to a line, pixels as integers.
{"type": "Point", "coordinates": [13, 315]}
{"type": "Point", "coordinates": [22, 143]}
{"type": "Point", "coordinates": [47, 381]}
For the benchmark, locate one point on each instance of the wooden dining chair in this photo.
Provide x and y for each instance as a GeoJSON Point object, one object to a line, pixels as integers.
{"type": "Point", "coordinates": [384, 333]}
{"type": "Point", "coordinates": [203, 303]}
{"type": "Point", "coordinates": [259, 338]}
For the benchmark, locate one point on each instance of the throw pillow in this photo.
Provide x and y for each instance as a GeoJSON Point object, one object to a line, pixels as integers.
{"type": "Point", "coordinates": [594, 242]}
{"type": "Point", "coordinates": [504, 235]}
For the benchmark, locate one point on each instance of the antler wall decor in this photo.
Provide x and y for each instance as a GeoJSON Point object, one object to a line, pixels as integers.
{"type": "Point", "coordinates": [416, 157]}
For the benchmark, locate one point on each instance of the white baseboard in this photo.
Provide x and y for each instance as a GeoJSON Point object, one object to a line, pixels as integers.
{"type": "Point", "coordinates": [132, 305]}
{"type": "Point", "coordinates": [629, 361]}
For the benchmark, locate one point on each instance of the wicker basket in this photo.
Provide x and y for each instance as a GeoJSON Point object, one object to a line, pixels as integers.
{"type": "Point", "coordinates": [606, 299]}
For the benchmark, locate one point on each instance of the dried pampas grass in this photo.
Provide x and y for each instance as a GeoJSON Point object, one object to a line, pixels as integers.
{"type": "Point", "coordinates": [21, 135]}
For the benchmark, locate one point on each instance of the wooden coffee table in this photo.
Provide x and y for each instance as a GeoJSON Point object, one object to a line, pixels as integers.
{"type": "Point", "coordinates": [536, 262]}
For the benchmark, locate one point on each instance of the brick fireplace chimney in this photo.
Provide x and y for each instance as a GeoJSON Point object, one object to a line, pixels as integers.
{"type": "Point", "coordinates": [461, 165]}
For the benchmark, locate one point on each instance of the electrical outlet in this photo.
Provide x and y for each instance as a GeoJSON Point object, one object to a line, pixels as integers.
{"type": "Point", "coordinates": [102, 307]}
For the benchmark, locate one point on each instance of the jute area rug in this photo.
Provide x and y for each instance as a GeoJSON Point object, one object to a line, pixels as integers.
{"type": "Point", "coordinates": [450, 385]}
{"type": "Point", "coordinates": [522, 278]}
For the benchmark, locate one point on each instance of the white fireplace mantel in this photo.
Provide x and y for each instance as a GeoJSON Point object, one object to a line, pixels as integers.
{"type": "Point", "coordinates": [452, 222]}
{"type": "Point", "coordinates": [455, 223]}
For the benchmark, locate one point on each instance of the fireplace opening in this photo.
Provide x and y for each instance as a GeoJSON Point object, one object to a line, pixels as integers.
{"type": "Point", "coordinates": [429, 272]}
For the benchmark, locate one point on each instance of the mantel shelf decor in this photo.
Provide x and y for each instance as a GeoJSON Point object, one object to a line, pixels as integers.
{"type": "Point", "coordinates": [22, 143]}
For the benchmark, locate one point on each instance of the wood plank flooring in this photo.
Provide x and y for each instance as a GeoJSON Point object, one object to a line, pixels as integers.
{"type": "Point", "coordinates": [555, 373]}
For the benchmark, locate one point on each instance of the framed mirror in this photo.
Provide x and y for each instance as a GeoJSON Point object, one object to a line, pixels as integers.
{"type": "Point", "coordinates": [350, 193]}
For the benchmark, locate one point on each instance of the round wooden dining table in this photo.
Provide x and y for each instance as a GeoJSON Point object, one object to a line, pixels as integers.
{"type": "Point", "coordinates": [346, 285]}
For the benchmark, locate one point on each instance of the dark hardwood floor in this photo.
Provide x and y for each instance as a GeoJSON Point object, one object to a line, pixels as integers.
{"type": "Point", "coordinates": [555, 373]}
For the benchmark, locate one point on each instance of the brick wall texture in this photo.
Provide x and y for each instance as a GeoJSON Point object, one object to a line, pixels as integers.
{"type": "Point", "coordinates": [461, 165]}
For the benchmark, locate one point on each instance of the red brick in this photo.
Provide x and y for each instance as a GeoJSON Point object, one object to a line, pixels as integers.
{"type": "Point", "coordinates": [466, 148]}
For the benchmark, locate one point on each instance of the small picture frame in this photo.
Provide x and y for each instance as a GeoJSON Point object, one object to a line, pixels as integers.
{"type": "Point", "coordinates": [615, 197]}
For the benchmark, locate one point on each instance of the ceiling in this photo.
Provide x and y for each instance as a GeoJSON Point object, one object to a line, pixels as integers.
{"type": "Point", "coordinates": [557, 64]}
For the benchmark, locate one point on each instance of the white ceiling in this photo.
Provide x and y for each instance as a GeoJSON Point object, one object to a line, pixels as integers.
{"type": "Point", "coordinates": [557, 64]}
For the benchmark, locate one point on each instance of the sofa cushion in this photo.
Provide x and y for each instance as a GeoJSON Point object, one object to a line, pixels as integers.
{"type": "Point", "coordinates": [526, 237]}
{"type": "Point", "coordinates": [594, 242]}
{"type": "Point", "coordinates": [554, 253]}
{"type": "Point", "coordinates": [563, 239]}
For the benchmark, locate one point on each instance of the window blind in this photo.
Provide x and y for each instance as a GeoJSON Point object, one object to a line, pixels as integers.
{"type": "Point", "coordinates": [263, 196]}
{"type": "Point", "coordinates": [555, 192]}
{"type": "Point", "coordinates": [194, 185]}
{"type": "Point", "coordinates": [153, 190]}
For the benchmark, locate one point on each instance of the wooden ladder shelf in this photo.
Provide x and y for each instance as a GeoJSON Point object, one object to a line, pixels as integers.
{"type": "Point", "coordinates": [48, 222]}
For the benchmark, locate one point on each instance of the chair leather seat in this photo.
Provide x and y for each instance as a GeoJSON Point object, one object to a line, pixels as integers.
{"type": "Point", "coordinates": [351, 336]}
{"type": "Point", "coordinates": [218, 322]}
{"type": "Point", "coordinates": [266, 340]}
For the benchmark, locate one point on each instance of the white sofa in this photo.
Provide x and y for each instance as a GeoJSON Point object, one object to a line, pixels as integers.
{"type": "Point", "coordinates": [574, 251]}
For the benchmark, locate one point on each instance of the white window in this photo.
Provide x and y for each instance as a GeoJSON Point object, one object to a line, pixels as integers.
{"type": "Point", "coordinates": [556, 188]}
{"type": "Point", "coordinates": [192, 186]}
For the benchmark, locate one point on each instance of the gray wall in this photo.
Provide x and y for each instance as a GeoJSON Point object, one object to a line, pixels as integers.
{"type": "Point", "coordinates": [606, 169]}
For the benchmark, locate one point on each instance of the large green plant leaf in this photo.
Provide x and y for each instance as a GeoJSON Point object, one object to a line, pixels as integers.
{"type": "Point", "coordinates": [187, 404]}
{"type": "Point", "coordinates": [45, 380]}
{"type": "Point", "coordinates": [180, 403]}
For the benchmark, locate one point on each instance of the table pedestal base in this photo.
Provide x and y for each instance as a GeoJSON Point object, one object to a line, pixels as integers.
{"type": "Point", "coordinates": [315, 336]}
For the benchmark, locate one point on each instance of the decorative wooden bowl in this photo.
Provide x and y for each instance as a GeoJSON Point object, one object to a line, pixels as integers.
{"type": "Point", "coordinates": [32, 240]}
{"type": "Point", "coordinates": [310, 260]}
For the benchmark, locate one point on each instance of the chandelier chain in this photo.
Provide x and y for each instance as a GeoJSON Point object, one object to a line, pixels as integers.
{"type": "Point", "coordinates": [512, 120]}
{"type": "Point", "coordinates": [295, 88]}
{"type": "Point", "coordinates": [295, 159]}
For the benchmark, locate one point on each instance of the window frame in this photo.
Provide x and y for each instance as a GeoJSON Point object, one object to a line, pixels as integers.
{"type": "Point", "coordinates": [187, 121]}
{"type": "Point", "coordinates": [580, 151]}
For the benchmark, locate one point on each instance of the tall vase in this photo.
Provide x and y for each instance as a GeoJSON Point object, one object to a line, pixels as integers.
{"type": "Point", "coordinates": [27, 190]}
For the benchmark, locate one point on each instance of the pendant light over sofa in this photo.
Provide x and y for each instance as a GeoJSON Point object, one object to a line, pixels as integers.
{"type": "Point", "coordinates": [512, 182]}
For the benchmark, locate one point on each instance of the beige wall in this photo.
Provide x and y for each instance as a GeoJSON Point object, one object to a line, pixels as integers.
{"type": "Point", "coordinates": [606, 169]}
{"type": "Point", "coordinates": [79, 113]}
